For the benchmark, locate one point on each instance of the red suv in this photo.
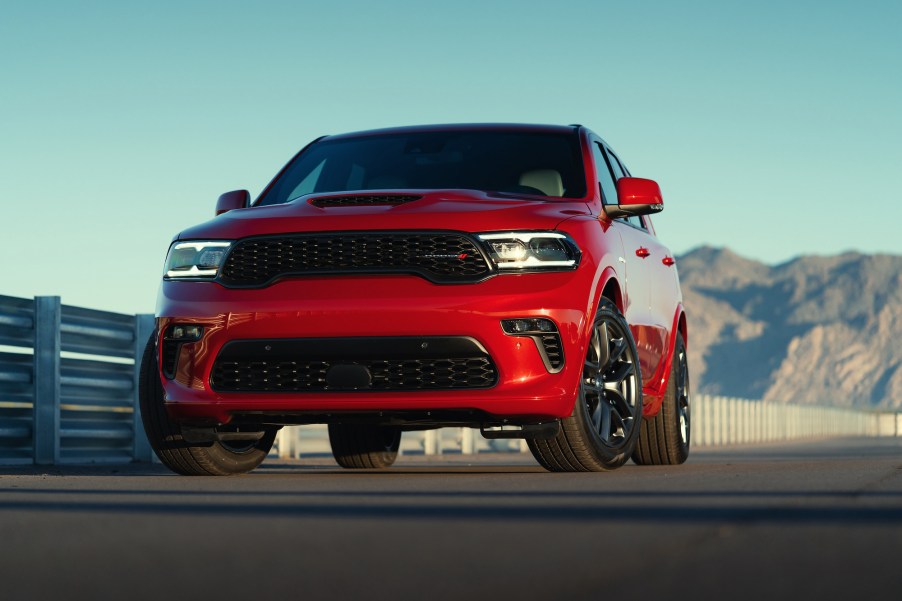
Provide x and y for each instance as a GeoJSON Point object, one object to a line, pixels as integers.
{"type": "Point", "coordinates": [501, 277]}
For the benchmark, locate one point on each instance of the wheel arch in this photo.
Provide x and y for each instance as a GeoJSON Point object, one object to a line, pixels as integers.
{"type": "Point", "coordinates": [610, 289]}
{"type": "Point", "coordinates": [655, 394]}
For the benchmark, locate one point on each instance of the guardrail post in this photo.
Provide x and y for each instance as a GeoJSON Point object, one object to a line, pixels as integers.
{"type": "Point", "coordinates": [432, 442]}
{"type": "Point", "coordinates": [47, 319]}
{"type": "Point", "coordinates": [468, 441]}
{"type": "Point", "coordinates": [141, 451]}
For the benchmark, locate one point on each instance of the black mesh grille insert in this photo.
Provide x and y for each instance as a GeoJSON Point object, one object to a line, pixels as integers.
{"type": "Point", "coordinates": [343, 364]}
{"type": "Point", "coordinates": [362, 200]}
{"type": "Point", "coordinates": [170, 357]}
{"type": "Point", "coordinates": [440, 257]}
{"type": "Point", "coordinates": [553, 350]}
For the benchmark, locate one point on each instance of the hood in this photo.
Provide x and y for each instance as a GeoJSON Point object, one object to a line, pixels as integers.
{"type": "Point", "coordinates": [462, 210]}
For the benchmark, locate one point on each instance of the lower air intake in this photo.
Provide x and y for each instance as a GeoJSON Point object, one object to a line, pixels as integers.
{"type": "Point", "coordinates": [353, 364]}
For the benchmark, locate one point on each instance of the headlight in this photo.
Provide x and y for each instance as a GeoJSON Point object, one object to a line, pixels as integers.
{"type": "Point", "coordinates": [532, 250]}
{"type": "Point", "coordinates": [195, 259]}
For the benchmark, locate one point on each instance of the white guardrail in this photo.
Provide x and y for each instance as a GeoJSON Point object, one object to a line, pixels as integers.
{"type": "Point", "coordinates": [716, 421]}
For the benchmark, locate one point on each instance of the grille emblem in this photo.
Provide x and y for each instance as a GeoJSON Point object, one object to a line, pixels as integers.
{"type": "Point", "coordinates": [461, 256]}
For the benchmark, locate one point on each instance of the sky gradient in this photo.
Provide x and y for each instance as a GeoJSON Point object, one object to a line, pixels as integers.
{"type": "Point", "coordinates": [773, 128]}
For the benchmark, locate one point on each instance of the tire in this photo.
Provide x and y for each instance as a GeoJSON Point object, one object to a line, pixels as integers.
{"type": "Point", "coordinates": [165, 434]}
{"type": "Point", "coordinates": [602, 431]}
{"type": "Point", "coordinates": [364, 446]}
{"type": "Point", "coordinates": [664, 439]}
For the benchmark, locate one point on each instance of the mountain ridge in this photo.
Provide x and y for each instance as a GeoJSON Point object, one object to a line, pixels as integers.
{"type": "Point", "coordinates": [813, 330]}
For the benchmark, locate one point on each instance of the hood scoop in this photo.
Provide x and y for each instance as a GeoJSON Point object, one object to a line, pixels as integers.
{"type": "Point", "coordinates": [362, 200]}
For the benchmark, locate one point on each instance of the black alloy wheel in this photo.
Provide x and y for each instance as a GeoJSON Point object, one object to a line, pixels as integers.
{"type": "Point", "coordinates": [602, 431]}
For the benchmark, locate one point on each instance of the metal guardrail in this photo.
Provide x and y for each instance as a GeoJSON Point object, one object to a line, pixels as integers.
{"type": "Point", "coordinates": [70, 394]}
{"type": "Point", "coordinates": [60, 408]}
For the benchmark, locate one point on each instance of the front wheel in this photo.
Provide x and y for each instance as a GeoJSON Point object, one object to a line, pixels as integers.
{"type": "Point", "coordinates": [601, 432]}
{"type": "Point", "coordinates": [189, 458]}
{"type": "Point", "coordinates": [664, 439]}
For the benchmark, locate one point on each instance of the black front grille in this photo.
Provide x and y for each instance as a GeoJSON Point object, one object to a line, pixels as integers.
{"type": "Point", "coordinates": [325, 202]}
{"type": "Point", "coordinates": [439, 257]}
{"type": "Point", "coordinates": [348, 364]}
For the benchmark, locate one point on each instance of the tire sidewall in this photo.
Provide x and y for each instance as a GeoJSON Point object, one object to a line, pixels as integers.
{"type": "Point", "coordinates": [675, 375]}
{"type": "Point", "coordinates": [165, 434]}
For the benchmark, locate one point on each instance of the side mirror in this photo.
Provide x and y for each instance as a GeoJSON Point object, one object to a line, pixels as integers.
{"type": "Point", "coordinates": [236, 199]}
{"type": "Point", "coordinates": [636, 196]}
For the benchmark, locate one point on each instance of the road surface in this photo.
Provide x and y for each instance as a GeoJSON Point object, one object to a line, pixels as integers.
{"type": "Point", "coordinates": [815, 520]}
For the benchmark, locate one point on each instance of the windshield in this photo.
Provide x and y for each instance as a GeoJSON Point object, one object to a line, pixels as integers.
{"type": "Point", "coordinates": [545, 164]}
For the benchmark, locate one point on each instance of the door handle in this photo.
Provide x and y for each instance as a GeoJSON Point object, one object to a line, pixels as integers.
{"type": "Point", "coordinates": [668, 261]}
{"type": "Point", "coordinates": [642, 252]}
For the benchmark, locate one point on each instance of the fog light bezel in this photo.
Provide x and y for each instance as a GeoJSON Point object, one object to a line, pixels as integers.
{"type": "Point", "coordinates": [174, 337]}
{"type": "Point", "coordinates": [532, 326]}
{"type": "Point", "coordinates": [537, 328]}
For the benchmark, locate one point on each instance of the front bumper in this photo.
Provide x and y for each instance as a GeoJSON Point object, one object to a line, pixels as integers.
{"type": "Point", "coordinates": [382, 306]}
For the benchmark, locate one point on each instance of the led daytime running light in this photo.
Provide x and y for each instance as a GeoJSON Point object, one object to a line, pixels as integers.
{"type": "Point", "coordinates": [195, 259]}
{"type": "Point", "coordinates": [531, 250]}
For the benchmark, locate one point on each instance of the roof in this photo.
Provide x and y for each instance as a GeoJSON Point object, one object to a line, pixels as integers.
{"type": "Point", "coordinates": [512, 127]}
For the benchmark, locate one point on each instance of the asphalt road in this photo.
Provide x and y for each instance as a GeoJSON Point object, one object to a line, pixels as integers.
{"type": "Point", "coordinates": [817, 520]}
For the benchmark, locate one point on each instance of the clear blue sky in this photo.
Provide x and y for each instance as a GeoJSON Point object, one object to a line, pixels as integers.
{"type": "Point", "coordinates": [774, 128]}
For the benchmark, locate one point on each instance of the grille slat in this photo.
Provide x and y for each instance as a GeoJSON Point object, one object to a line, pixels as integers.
{"type": "Point", "coordinates": [440, 257]}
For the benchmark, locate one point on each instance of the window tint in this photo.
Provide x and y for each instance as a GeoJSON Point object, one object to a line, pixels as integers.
{"type": "Point", "coordinates": [308, 184]}
{"type": "Point", "coordinates": [607, 163]}
{"type": "Point", "coordinates": [637, 221]}
{"type": "Point", "coordinates": [608, 189]}
{"type": "Point", "coordinates": [533, 163]}
{"type": "Point", "coordinates": [620, 171]}
{"type": "Point", "coordinates": [616, 159]}
{"type": "Point", "coordinates": [615, 164]}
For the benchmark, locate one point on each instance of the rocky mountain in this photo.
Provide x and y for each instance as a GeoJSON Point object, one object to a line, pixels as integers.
{"type": "Point", "coordinates": [814, 330]}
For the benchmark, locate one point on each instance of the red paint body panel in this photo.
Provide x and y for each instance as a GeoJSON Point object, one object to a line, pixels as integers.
{"type": "Point", "coordinates": [409, 305]}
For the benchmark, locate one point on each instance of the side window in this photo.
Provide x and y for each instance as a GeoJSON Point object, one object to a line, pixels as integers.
{"type": "Point", "coordinates": [620, 165]}
{"type": "Point", "coordinates": [613, 165]}
{"type": "Point", "coordinates": [605, 179]}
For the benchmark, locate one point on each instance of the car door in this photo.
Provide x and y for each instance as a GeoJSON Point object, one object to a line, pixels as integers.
{"type": "Point", "coordinates": [663, 286]}
{"type": "Point", "coordinates": [636, 285]}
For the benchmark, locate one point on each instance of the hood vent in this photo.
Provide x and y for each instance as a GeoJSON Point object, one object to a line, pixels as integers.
{"type": "Point", "coordinates": [325, 202]}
